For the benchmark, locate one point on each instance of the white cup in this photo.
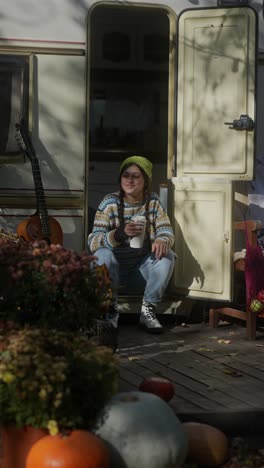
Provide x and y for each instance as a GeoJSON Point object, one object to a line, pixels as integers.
{"type": "Point", "coordinates": [137, 241]}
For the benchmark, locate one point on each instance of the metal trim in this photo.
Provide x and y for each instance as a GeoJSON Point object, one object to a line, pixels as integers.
{"type": "Point", "coordinates": [53, 202]}
{"type": "Point", "coordinates": [28, 50]}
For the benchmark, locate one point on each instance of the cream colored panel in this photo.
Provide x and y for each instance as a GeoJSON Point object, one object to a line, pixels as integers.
{"type": "Point", "coordinates": [58, 136]}
{"type": "Point", "coordinates": [216, 84]}
{"type": "Point", "coordinates": [203, 231]}
{"type": "Point", "coordinates": [59, 109]}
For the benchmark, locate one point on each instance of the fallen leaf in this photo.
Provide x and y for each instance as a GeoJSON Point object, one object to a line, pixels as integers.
{"type": "Point", "coordinates": [232, 372]}
{"type": "Point", "coordinates": [209, 337]}
{"type": "Point", "coordinates": [133, 358]}
{"type": "Point", "coordinates": [224, 341]}
{"type": "Point", "coordinates": [205, 349]}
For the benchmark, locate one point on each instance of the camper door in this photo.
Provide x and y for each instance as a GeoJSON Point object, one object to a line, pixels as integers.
{"type": "Point", "coordinates": [215, 143]}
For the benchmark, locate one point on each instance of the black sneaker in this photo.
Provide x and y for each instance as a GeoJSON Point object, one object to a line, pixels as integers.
{"type": "Point", "coordinates": [112, 315]}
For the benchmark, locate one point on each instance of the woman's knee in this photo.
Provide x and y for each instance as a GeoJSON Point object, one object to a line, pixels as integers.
{"type": "Point", "coordinates": [172, 257]}
{"type": "Point", "coordinates": [106, 256]}
{"type": "Point", "coordinates": [167, 263]}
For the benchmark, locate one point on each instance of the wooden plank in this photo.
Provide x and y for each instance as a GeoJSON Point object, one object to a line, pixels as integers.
{"type": "Point", "coordinates": [250, 361]}
{"type": "Point", "coordinates": [248, 383]}
{"type": "Point", "coordinates": [130, 377]}
{"type": "Point", "coordinates": [240, 366]}
{"type": "Point", "coordinates": [137, 369]}
{"type": "Point", "coordinates": [256, 355]}
{"type": "Point", "coordinates": [125, 386]}
{"type": "Point", "coordinates": [199, 377]}
{"type": "Point", "coordinates": [215, 368]}
{"type": "Point", "coordinates": [237, 390]}
{"type": "Point", "coordinates": [186, 387]}
{"type": "Point", "coordinates": [176, 400]}
{"type": "Point", "coordinates": [147, 349]}
{"type": "Point", "coordinates": [195, 361]}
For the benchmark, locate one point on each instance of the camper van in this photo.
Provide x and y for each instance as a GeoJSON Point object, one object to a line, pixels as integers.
{"type": "Point", "coordinates": [92, 82]}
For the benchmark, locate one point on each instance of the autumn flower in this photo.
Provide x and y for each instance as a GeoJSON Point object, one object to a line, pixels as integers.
{"type": "Point", "coordinates": [53, 379]}
{"type": "Point", "coordinates": [51, 286]}
{"type": "Point", "coordinates": [51, 375]}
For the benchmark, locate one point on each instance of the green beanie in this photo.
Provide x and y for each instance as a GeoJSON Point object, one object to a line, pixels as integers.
{"type": "Point", "coordinates": [144, 163]}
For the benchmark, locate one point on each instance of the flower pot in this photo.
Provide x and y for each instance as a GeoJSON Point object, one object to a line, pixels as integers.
{"type": "Point", "coordinates": [15, 444]}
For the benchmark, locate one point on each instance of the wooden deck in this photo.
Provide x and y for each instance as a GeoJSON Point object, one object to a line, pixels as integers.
{"type": "Point", "coordinates": [218, 374]}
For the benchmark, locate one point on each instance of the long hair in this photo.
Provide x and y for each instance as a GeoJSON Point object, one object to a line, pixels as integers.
{"type": "Point", "coordinates": [122, 195]}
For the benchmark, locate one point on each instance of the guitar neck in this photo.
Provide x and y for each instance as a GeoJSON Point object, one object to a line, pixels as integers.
{"type": "Point", "coordinates": [25, 144]}
{"type": "Point", "coordinates": [40, 198]}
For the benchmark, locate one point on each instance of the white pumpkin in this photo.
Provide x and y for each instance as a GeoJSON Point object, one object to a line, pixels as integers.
{"type": "Point", "coordinates": [142, 431]}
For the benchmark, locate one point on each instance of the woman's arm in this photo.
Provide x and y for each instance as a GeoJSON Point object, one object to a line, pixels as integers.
{"type": "Point", "coordinates": [163, 228]}
{"type": "Point", "coordinates": [104, 227]}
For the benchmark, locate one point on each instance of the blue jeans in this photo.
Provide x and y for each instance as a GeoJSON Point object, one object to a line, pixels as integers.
{"type": "Point", "coordinates": [150, 278]}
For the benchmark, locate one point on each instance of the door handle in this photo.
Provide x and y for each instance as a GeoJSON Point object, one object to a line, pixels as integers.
{"type": "Point", "coordinates": [243, 123]}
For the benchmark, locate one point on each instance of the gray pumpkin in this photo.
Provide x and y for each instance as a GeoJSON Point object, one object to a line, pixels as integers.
{"type": "Point", "coordinates": [142, 431]}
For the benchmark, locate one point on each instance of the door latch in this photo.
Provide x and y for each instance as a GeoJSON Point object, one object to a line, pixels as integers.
{"type": "Point", "coordinates": [226, 236]}
{"type": "Point", "coordinates": [243, 123]}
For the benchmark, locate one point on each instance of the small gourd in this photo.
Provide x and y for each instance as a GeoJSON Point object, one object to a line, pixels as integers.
{"type": "Point", "coordinates": [207, 445]}
{"type": "Point", "coordinates": [142, 431]}
{"type": "Point", "coordinates": [79, 449]}
{"type": "Point", "coordinates": [256, 306]}
{"type": "Point", "coordinates": [158, 386]}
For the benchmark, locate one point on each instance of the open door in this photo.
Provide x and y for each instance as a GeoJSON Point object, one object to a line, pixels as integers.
{"type": "Point", "coordinates": [216, 85]}
{"type": "Point", "coordinates": [215, 142]}
{"type": "Point", "coordinates": [203, 232]}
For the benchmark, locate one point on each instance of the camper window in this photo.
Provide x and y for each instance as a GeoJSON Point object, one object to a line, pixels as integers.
{"type": "Point", "coordinates": [14, 96]}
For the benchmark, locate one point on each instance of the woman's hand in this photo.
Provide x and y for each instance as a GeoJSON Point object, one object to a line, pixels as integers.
{"type": "Point", "coordinates": [160, 248]}
{"type": "Point", "coordinates": [133, 229]}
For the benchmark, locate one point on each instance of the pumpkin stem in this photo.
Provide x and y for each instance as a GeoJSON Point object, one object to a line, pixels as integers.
{"type": "Point", "coordinates": [65, 432]}
{"type": "Point", "coordinates": [129, 398]}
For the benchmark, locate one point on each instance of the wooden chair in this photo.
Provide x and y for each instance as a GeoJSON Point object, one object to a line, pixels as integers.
{"type": "Point", "coordinates": [224, 311]}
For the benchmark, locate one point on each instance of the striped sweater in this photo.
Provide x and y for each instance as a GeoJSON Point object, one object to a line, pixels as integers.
{"type": "Point", "coordinates": [107, 221]}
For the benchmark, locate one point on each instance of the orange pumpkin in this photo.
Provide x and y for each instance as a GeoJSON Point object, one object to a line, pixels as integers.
{"type": "Point", "coordinates": [79, 449]}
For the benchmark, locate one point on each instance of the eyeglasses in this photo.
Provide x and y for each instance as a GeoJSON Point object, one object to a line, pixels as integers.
{"type": "Point", "coordinates": [129, 175]}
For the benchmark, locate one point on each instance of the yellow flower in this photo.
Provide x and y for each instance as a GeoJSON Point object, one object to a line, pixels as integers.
{"type": "Point", "coordinates": [43, 394]}
{"type": "Point", "coordinates": [8, 377]}
{"type": "Point", "coordinates": [57, 403]}
{"type": "Point", "coordinates": [53, 427]}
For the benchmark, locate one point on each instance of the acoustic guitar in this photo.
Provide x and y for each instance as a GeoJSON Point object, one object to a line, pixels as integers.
{"type": "Point", "coordinates": [39, 226]}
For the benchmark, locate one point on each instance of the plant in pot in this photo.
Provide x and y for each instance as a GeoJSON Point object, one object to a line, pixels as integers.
{"type": "Point", "coordinates": [51, 380]}
{"type": "Point", "coordinates": [49, 285]}
{"type": "Point", "coordinates": [51, 376]}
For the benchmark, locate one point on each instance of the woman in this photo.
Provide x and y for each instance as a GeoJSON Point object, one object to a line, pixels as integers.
{"type": "Point", "coordinates": [145, 270]}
